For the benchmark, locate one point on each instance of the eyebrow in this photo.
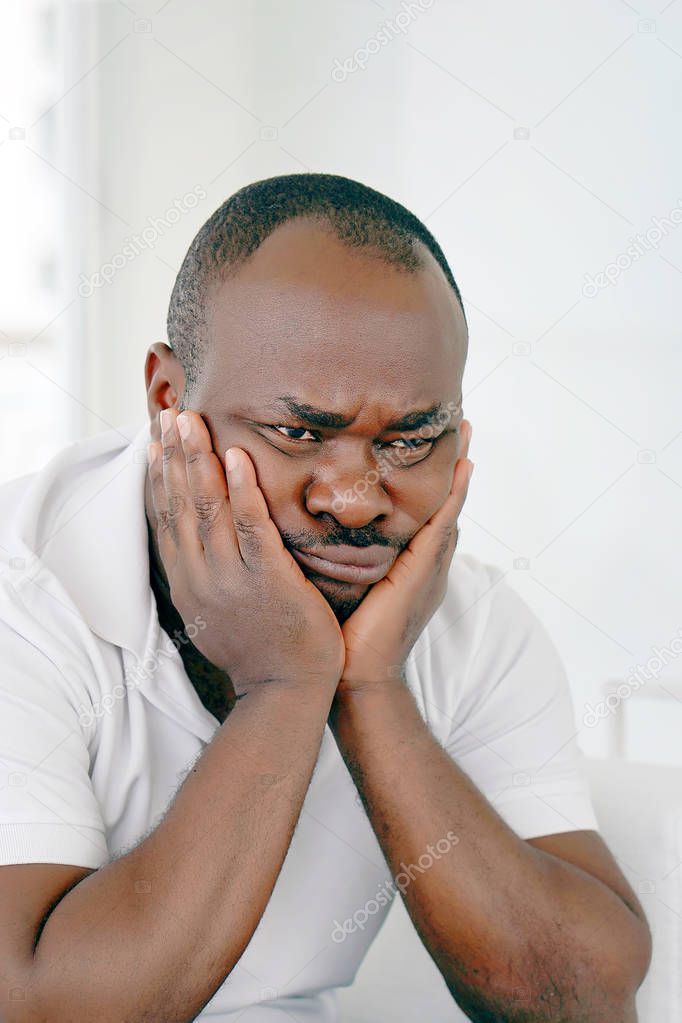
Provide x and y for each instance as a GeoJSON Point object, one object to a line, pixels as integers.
{"type": "Point", "coordinates": [312, 416]}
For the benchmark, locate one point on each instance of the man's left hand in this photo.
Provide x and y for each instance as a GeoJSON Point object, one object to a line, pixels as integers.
{"type": "Point", "coordinates": [381, 632]}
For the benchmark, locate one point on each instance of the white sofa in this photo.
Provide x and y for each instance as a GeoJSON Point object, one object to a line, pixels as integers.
{"type": "Point", "coordinates": [639, 807]}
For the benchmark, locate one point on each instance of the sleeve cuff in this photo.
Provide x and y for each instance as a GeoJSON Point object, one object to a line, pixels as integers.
{"type": "Point", "coordinates": [533, 813]}
{"type": "Point", "coordinates": [52, 843]}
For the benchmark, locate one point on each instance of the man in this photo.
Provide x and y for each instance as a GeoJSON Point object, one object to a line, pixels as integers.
{"type": "Point", "coordinates": [214, 827]}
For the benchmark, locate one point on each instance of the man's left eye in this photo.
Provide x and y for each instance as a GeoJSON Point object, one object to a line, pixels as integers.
{"type": "Point", "coordinates": [412, 443]}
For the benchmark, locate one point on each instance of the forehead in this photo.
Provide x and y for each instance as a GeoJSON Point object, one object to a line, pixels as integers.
{"type": "Point", "coordinates": [312, 316]}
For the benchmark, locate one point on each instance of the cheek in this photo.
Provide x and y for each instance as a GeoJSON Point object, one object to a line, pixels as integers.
{"type": "Point", "coordinates": [280, 482]}
{"type": "Point", "coordinates": [221, 439]}
{"type": "Point", "coordinates": [416, 497]}
{"type": "Point", "coordinates": [422, 490]}
{"type": "Point", "coordinates": [271, 478]}
{"type": "Point", "coordinates": [418, 503]}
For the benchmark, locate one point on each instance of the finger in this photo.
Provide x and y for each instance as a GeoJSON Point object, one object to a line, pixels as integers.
{"type": "Point", "coordinates": [463, 468]}
{"type": "Point", "coordinates": [179, 515]}
{"type": "Point", "coordinates": [164, 537]}
{"type": "Point", "coordinates": [207, 488]}
{"type": "Point", "coordinates": [257, 535]}
{"type": "Point", "coordinates": [464, 438]}
{"type": "Point", "coordinates": [432, 547]}
{"type": "Point", "coordinates": [454, 502]}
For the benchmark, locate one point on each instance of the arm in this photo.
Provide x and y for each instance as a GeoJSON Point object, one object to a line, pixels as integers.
{"type": "Point", "coordinates": [161, 927]}
{"type": "Point", "coordinates": [518, 932]}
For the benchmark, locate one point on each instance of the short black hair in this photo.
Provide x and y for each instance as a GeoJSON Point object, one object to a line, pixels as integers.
{"type": "Point", "coordinates": [357, 214]}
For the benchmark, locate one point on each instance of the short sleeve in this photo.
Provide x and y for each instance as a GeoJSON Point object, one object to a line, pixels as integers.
{"type": "Point", "coordinates": [514, 731]}
{"type": "Point", "coordinates": [48, 809]}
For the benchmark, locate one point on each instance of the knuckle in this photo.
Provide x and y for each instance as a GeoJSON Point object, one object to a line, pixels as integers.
{"type": "Point", "coordinates": [155, 470]}
{"type": "Point", "coordinates": [449, 535]}
{"type": "Point", "coordinates": [170, 449]}
{"type": "Point", "coordinates": [176, 506]}
{"type": "Point", "coordinates": [207, 508]}
{"type": "Point", "coordinates": [164, 521]}
{"type": "Point", "coordinates": [248, 530]}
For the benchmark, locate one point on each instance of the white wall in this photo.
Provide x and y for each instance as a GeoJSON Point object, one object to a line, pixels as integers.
{"type": "Point", "coordinates": [536, 139]}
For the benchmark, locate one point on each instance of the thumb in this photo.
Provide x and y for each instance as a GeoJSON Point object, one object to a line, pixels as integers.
{"type": "Point", "coordinates": [432, 547]}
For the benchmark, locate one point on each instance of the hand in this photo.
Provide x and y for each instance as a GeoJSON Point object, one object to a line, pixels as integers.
{"type": "Point", "coordinates": [380, 634]}
{"type": "Point", "coordinates": [225, 561]}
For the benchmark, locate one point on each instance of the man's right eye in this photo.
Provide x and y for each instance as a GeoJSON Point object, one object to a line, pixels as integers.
{"type": "Point", "coordinates": [292, 429]}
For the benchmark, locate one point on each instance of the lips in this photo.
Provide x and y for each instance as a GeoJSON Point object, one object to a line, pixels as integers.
{"type": "Point", "coordinates": [365, 565]}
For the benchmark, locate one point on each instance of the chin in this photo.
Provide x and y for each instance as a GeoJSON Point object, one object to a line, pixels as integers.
{"type": "Point", "coordinates": [343, 598]}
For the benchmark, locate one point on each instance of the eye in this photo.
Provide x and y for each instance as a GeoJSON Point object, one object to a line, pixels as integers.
{"type": "Point", "coordinates": [404, 446]}
{"type": "Point", "coordinates": [413, 443]}
{"type": "Point", "coordinates": [406, 450]}
{"type": "Point", "coordinates": [293, 429]}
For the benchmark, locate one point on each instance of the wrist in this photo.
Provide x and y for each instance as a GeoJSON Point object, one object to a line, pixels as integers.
{"type": "Point", "coordinates": [303, 686]}
{"type": "Point", "coordinates": [350, 698]}
{"type": "Point", "coordinates": [390, 677]}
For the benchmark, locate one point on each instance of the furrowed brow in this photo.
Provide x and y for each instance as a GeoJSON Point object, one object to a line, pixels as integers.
{"type": "Point", "coordinates": [312, 416]}
{"type": "Point", "coordinates": [418, 418]}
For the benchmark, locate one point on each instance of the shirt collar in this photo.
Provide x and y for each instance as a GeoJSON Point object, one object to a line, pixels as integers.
{"type": "Point", "coordinates": [96, 542]}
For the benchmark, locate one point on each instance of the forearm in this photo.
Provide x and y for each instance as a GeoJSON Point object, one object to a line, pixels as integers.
{"type": "Point", "coordinates": [516, 933]}
{"type": "Point", "coordinates": [153, 934]}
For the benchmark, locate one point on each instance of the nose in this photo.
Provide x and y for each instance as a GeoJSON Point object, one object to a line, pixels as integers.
{"type": "Point", "coordinates": [354, 497]}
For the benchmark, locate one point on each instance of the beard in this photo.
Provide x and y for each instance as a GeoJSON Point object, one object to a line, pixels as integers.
{"type": "Point", "coordinates": [343, 598]}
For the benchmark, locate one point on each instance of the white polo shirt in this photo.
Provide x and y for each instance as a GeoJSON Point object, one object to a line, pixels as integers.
{"type": "Point", "coordinates": [99, 723]}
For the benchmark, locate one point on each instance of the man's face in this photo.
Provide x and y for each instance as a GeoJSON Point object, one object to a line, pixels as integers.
{"type": "Point", "coordinates": [336, 329]}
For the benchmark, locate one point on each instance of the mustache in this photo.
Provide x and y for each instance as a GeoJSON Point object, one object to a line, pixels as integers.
{"type": "Point", "coordinates": [366, 537]}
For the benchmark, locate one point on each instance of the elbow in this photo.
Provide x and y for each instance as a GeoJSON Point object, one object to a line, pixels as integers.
{"type": "Point", "coordinates": [629, 963]}
{"type": "Point", "coordinates": [590, 986]}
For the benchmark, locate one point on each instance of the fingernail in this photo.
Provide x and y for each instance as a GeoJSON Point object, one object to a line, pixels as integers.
{"type": "Point", "coordinates": [165, 419]}
{"type": "Point", "coordinates": [471, 471]}
{"type": "Point", "coordinates": [183, 425]}
{"type": "Point", "coordinates": [151, 453]}
{"type": "Point", "coordinates": [232, 462]}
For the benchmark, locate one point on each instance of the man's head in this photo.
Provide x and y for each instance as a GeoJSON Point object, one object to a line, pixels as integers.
{"type": "Point", "coordinates": [312, 293]}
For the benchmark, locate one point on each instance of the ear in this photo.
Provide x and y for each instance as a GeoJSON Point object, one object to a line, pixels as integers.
{"type": "Point", "coordinates": [164, 380]}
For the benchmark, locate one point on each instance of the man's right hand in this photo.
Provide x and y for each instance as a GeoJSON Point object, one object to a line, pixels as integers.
{"type": "Point", "coordinates": [225, 561]}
